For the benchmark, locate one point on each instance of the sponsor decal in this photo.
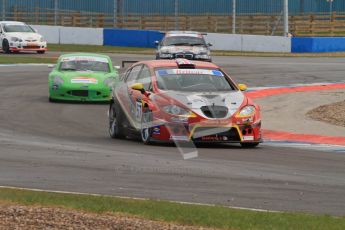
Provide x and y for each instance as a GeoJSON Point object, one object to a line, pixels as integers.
{"type": "Point", "coordinates": [214, 138]}
{"type": "Point", "coordinates": [85, 58]}
{"type": "Point", "coordinates": [156, 130]}
{"type": "Point", "coordinates": [32, 44]}
{"type": "Point", "coordinates": [84, 80]}
{"type": "Point", "coordinates": [179, 138]}
{"type": "Point", "coordinates": [189, 72]}
{"type": "Point", "coordinates": [248, 138]}
{"type": "Point", "coordinates": [138, 110]}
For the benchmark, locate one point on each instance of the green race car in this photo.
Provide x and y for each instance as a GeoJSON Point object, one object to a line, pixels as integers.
{"type": "Point", "coordinates": [82, 77]}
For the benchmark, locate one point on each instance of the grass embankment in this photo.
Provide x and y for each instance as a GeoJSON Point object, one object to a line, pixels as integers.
{"type": "Point", "coordinates": [185, 214]}
{"type": "Point", "coordinates": [99, 49]}
{"type": "Point", "coordinates": [13, 59]}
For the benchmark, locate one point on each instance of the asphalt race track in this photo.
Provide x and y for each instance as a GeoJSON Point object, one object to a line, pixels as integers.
{"type": "Point", "coordinates": [65, 147]}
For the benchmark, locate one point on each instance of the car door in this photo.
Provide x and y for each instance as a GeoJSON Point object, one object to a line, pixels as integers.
{"type": "Point", "coordinates": [145, 78]}
{"type": "Point", "coordinates": [134, 96]}
{"type": "Point", "coordinates": [2, 34]}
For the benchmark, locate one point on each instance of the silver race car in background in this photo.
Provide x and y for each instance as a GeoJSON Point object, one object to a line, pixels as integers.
{"type": "Point", "coordinates": [183, 44]}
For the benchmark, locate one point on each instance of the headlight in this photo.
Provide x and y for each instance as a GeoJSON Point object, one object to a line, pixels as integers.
{"type": "Point", "coordinates": [165, 55]}
{"type": "Point", "coordinates": [247, 111]}
{"type": "Point", "coordinates": [109, 81]}
{"type": "Point", "coordinates": [178, 111]}
{"type": "Point", "coordinates": [14, 39]}
{"type": "Point", "coordinates": [58, 80]}
{"type": "Point", "coordinates": [202, 56]}
{"type": "Point", "coordinates": [42, 39]}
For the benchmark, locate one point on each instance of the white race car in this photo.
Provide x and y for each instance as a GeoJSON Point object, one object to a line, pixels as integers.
{"type": "Point", "coordinates": [18, 36]}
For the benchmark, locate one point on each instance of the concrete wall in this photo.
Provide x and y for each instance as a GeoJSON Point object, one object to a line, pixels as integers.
{"type": "Point", "coordinates": [230, 42]}
{"type": "Point", "coordinates": [253, 43]}
{"type": "Point", "coordinates": [50, 33]}
{"type": "Point", "coordinates": [82, 36]}
{"type": "Point", "coordinates": [250, 43]}
{"type": "Point", "coordinates": [71, 35]}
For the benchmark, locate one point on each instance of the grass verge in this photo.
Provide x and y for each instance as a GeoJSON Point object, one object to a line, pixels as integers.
{"type": "Point", "coordinates": [11, 59]}
{"type": "Point", "coordinates": [185, 214]}
{"type": "Point", "coordinates": [99, 49]}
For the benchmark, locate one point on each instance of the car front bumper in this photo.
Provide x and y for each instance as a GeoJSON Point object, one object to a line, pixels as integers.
{"type": "Point", "coordinates": [28, 46]}
{"type": "Point", "coordinates": [214, 134]}
{"type": "Point", "coordinates": [189, 56]}
{"type": "Point", "coordinates": [91, 94]}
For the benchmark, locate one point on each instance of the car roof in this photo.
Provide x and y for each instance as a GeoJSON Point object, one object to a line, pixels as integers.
{"type": "Point", "coordinates": [174, 64]}
{"type": "Point", "coordinates": [12, 22]}
{"type": "Point", "coordinates": [84, 54]}
{"type": "Point", "coordinates": [183, 33]}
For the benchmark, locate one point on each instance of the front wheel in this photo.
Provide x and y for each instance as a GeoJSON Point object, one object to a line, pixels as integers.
{"type": "Point", "coordinates": [6, 47]}
{"type": "Point", "coordinates": [41, 51]}
{"type": "Point", "coordinates": [146, 126]}
{"type": "Point", "coordinates": [115, 121]}
{"type": "Point", "coordinates": [249, 145]}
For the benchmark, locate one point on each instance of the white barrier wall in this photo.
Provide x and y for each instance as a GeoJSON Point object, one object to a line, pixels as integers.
{"type": "Point", "coordinates": [50, 33]}
{"type": "Point", "coordinates": [250, 43]}
{"type": "Point", "coordinates": [81, 36]}
{"type": "Point", "coordinates": [231, 42]}
{"type": "Point", "coordinates": [71, 35]}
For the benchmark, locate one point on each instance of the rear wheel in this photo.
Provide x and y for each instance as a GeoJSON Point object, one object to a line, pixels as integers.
{"type": "Point", "coordinates": [6, 47]}
{"type": "Point", "coordinates": [249, 145]}
{"type": "Point", "coordinates": [116, 119]}
{"type": "Point", "coordinates": [146, 126]}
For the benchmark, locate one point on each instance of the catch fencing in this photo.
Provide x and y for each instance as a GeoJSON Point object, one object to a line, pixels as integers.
{"type": "Point", "coordinates": [265, 17]}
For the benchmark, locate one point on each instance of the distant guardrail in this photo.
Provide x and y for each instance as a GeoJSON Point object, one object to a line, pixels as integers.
{"type": "Point", "coordinates": [321, 24]}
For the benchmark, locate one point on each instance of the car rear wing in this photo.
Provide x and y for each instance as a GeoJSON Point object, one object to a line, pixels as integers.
{"type": "Point", "coordinates": [186, 32]}
{"type": "Point", "coordinates": [123, 63]}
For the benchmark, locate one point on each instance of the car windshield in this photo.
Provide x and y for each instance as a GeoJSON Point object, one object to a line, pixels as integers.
{"type": "Point", "coordinates": [193, 80]}
{"type": "Point", "coordinates": [15, 28]}
{"type": "Point", "coordinates": [95, 64]}
{"type": "Point", "coordinates": [183, 41]}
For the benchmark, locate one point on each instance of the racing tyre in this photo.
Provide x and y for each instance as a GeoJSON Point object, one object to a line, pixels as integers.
{"type": "Point", "coordinates": [6, 47]}
{"type": "Point", "coordinates": [249, 145]}
{"type": "Point", "coordinates": [41, 51]}
{"type": "Point", "coordinates": [115, 121]}
{"type": "Point", "coordinates": [146, 126]}
{"type": "Point", "coordinates": [52, 99]}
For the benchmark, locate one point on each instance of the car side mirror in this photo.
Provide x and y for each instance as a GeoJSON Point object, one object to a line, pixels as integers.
{"type": "Point", "coordinates": [156, 43]}
{"type": "Point", "coordinates": [36, 31]}
{"type": "Point", "coordinates": [51, 66]}
{"type": "Point", "coordinates": [139, 87]}
{"type": "Point", "coordinates": [209, 44]}
{"type": "Point", "coordinates": [242, 87]}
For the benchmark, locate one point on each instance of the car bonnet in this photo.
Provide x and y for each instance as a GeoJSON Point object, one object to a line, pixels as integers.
{"type": "Point", "coordinates": [232, 100]}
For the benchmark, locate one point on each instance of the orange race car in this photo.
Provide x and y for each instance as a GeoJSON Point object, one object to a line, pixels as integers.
{"type": "Point", "coordinates": [182, 100]}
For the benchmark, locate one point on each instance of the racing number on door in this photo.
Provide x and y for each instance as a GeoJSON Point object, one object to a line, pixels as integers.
{"type": "Point", "coordinates": [138, 111]}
